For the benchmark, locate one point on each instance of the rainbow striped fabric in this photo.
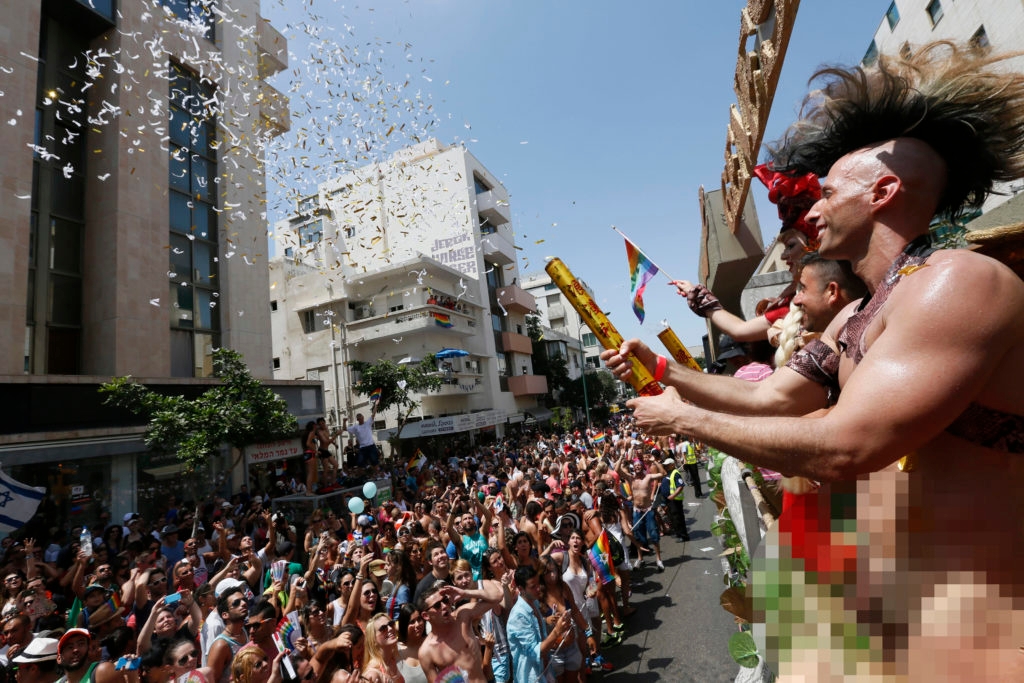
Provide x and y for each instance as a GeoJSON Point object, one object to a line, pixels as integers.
{"type": "Point", "coordinates": [443, 319]}
{"type": "Point", "coordinates": [641, 270]}
{"type": "Point", "coordinates": [601, 558]}
{"type": "Point", "coordinates": [599, 439]}
{"type": "Point", "coordinates": [375, 395]}
{"type": "Point", "coordinates": [417, 461]}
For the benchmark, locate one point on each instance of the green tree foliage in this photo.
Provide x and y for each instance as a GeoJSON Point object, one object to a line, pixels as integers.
{"type": "Point", "coordinates": [239, 411]}
{"type": "Point", "coordinates": [601, 389]}
{"type": "Point", "coordinates": [397, 383]}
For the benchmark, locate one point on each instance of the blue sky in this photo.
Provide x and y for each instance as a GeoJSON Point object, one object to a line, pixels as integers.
{"type": "Point", "coordinates": [591, 114]}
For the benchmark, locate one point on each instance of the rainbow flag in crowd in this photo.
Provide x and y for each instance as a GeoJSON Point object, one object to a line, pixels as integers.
{"type": "Point", "coordinates": [625, 490]}
{"type": "Point", "coordinates": [443, 319]}
{"type": "Point", "coordinates": [599, 439]}
{"type": "Point", "coordinates": [641, 270]}
{"type": "Point", "coordinates": [375, 395]}
{"type": "Point", "coordinates": [417, 461]}
{"type": "Point", "coordinates": [601, 558]}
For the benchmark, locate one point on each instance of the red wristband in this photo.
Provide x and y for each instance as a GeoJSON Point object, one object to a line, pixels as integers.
{"type": "Point", "coordinates": [659, 369]}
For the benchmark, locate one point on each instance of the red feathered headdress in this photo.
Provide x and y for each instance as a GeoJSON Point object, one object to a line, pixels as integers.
{"type": "Point", "coordinates": [794, 195]}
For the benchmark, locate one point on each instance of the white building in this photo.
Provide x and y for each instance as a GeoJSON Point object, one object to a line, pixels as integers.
{"type": "Point", "coordinates": [406, 258]}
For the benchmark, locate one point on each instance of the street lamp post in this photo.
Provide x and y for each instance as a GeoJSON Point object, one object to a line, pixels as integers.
{"type": "Point", "coordinates": [583, 372]}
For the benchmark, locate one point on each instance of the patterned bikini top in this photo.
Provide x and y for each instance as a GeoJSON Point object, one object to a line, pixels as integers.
{"type": "Point", "coordinates": [817, 361]}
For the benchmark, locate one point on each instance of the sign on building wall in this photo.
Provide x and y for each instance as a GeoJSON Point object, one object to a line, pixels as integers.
{"type": "Point", "coordinates": [273, 450]}
{"type": "Point", "coordinates": [457, 252]}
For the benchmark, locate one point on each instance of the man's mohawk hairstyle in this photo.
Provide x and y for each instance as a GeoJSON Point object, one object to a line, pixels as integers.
{"type": "Point", "coordinates": [964, 103]}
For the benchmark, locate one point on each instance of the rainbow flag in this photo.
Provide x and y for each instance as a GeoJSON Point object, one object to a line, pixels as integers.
{"type": "Point", "coordinates": [375, 395]}
{"type": "Point", "coordinates": [417, 461]}
{"type": "Point", "coordinates": [641, 270]}
{"type": "Point", "coordinates": [625, 490]}
{"type": "Point", "coordinates": [443, 319]}
{"type": "Point", "coordinates": [601, 558]}
{"type": "Point", "coordinates": [599, 439]}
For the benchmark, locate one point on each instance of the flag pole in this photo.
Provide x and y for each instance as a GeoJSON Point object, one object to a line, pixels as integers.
{"type": "Point", "coordinates": [660, 269]}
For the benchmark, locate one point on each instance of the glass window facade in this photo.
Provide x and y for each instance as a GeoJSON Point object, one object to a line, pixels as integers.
{"type": "Point", "coordinates": [194, 262]}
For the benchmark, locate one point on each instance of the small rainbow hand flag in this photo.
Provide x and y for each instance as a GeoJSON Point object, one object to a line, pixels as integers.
{"type": "Point", "coordinates": [375, 395]}
{"type": "Point", "coordinates": [641, 270]}
{"type": "Point", "coordinates": [601, 558]}
{"type": "Point", "coordinates": [625, 490]}
{"type": "Point", "coordinates": [599, 439]}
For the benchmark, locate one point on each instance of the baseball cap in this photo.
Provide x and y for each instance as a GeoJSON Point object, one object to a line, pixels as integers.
{"type": "Point", "coordinates": [131, 516]}
{"type": "Point", "coordinates": [71, 633]}
{"type": "Point", "coordinates": [168, 530]}
{"type": "Point", "coordinates": [668, 461]}
{"type": "Point", "coordinates": [225, 585]}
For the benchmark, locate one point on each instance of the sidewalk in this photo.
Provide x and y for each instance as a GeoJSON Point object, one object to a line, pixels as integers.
{"type": "Point", "coordinates": [680, 632]}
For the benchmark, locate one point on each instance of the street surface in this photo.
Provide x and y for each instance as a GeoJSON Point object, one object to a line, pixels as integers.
{"type": "Point", "coordinates": [679, 632]}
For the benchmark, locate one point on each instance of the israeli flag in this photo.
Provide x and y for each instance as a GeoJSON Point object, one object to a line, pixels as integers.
{"type": "Point", "coordinates": [18, 503]}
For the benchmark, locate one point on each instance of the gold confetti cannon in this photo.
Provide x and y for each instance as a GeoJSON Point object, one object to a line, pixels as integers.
{"type": "Point", "coordinates": [599, 324]}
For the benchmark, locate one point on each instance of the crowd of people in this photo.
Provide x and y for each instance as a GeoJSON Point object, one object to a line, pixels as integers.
{"type": "Point", "coordinates": [509, 563]}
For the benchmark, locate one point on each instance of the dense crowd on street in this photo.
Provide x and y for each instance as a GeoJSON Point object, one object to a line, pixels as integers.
{"type": "Point", "coordinates": [510, 562]}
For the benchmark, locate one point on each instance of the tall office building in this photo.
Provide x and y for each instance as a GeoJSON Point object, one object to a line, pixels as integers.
{"type": "Point", "coordinates": [398, 260]}
{"type": "Point", "coordinates": [132, 194]}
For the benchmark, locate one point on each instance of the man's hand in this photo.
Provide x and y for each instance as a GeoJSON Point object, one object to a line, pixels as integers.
{"type": "Point", "coordinates": [657, 415]}
{"type": "Point", "coordinates": [618, 361]}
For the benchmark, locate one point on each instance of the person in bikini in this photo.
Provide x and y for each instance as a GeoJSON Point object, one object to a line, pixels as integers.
{"type": "Point", "coordinates": [928, 369]}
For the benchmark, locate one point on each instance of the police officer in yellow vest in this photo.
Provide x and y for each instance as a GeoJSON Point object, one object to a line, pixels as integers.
{"type": "Point", "coordinates": [690, 466]}
{"type": "Point", "coordinates": [676, 488]}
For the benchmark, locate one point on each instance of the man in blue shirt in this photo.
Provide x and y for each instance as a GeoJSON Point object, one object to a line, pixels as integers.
{"type": "Point", "coordinates": [529, 639]}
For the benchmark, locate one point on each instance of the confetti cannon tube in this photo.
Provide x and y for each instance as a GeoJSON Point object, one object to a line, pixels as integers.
{"type": "Point", "coordinates": [677, 350]}
{"type": "Point", "coordinates": [599, 324]}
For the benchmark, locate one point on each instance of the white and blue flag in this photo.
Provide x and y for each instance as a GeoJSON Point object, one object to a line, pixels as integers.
{"type": "Point", "coordinates": [18, 503]}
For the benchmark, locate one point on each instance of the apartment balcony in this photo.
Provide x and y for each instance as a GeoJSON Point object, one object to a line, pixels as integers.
{"type": "Point", "coordinates": [516, 343]}
{"type": "Point", "coordinates": [274, 111]}
{"type": "Point", "coordinates": [516, 299]}
{"type": "Point", "coordinates": [273, 49]}
{"type": "Point", "coordinates": [426, 319]}
{"type": "Point", "coordinates": [495, 209]}
{"type": "Point", "coordinates": [528, 385]}
{"type": "Point", "coordinates": [555, 312]}
{"type": "Point", "coordinates": [498, 248]}
{"type": "Point", "coordinates": [455, 385]}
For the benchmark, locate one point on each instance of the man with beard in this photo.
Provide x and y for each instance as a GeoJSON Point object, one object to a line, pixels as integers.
{"type": "Point", "coordinates": [469, 542]}
{"type": "Point", "coordinates": [73, 656]}
{"type": "Point", "coordinates": [233, 610]}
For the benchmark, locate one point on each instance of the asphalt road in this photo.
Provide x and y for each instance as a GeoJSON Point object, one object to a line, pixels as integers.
{"type": "Point", "coordinates": [679, 632]}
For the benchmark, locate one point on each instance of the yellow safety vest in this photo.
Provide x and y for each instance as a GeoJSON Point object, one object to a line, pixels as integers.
{"type": "Point", "coordinates": [691, 455]}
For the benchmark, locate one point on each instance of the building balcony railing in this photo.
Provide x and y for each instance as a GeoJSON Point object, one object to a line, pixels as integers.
{"type": "Point", "coordinates": [516, 299]}
{"type": "Point", "coordinates": [455, 385]}
{"type": "Point", "coordinates": [498, 248]}
{"type": "Point", "coordinates": [274, 109]}
{"type": "Point", "coordinates": [528, 385]}
{"type": "Point", "coordinates": [492, 207]}
{"type": "Point", "coordinates": [273, 49]}
{"type": "Point", "coordinates": [421, 319]}
{"type": "Point", "coordinates": [516, 343]}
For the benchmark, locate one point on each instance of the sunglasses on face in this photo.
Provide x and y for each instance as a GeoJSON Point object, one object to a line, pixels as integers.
{"type": "Point", "coordinates": [386, 626]}
{"type": "Point", "coordinates": [369, 592]}
{"type": "Point", "coordinates": [162, 579]}
{"type": "Point", "coordinates": [255, 624]}
{"type": "Point", "coordinates": [236, 603]}
{"type": "Point", "coordinates": [184, 659]}
{"type": "Point", "coordinates": [442, 601]}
